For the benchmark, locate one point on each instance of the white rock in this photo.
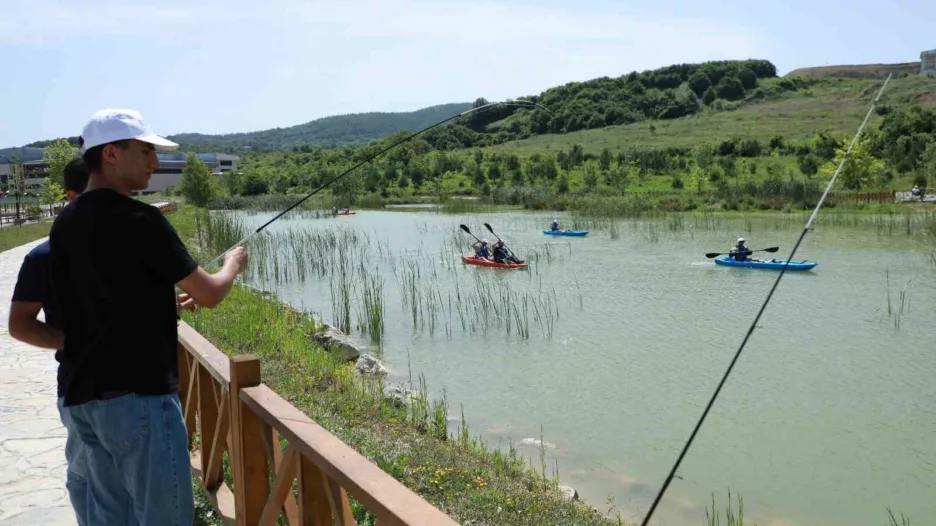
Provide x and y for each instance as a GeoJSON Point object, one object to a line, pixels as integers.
{"type": "Point", "coordinates": [370, 366]}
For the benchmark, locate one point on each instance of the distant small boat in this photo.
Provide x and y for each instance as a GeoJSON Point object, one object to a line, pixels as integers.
{"type": "Point", "coordinates": [566, 232]}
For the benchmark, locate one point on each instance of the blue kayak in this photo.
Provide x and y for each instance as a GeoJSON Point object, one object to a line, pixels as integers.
{"type": "Point", "coordinates": [775, 264]}
{"type": "Point", "coordinates": [566, 232]}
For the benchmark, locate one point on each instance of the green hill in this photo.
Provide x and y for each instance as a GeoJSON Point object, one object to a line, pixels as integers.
{"type": "Point", "coordinates": [824, 104]}
{"type": "Point", "coordinates": [861, 71]}
{"type": "Point", "coordinates": [327, 132]}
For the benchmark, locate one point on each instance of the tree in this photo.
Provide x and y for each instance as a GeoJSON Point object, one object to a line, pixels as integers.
{"type": "Point", "coordinates": [347, 188]}
{"type": "Point", "coordinates": [591, 175]}
{"type": "Point", "coordinates": [605, 159]}
{"type": "Point", "coordinates": [747, 77]}
{"type": "Point", "coordinates": [709, 96]}
{"type": "Point", "coordinates": [52, 194]}
{"type": "Point", "coordinates": [775, 166]}
{"type": "Point", "coordinates": [562, 186]}
{"type": "Point", "coordinates": [859, 169]}
{"type": "Point", "coordinates": [196, 184]}
{"type": "Point", "coordinates": [618, 177]}
{"type": "Point", "coordinates": [232, 182]}
{"type": "Point", "coordinates": [699, 83]}
{"type": "Point", "coordinates": [730, 88]}
{"type": "Point", "coordinates": [928, 165]}
{"type": "Point", "coordinates": [56, 156]}
{"type": "Point", "coordinates": [808, 165]}
{"type": "Point", "coordinates": [703, 155]}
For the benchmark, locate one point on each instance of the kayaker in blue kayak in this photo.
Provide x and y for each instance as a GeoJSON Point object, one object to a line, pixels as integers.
{"type": "Point", "coordinates": [555, 225]}
{"type": "Point", "coordinates": [482, 250]}
{"type": "Point", "coordinates": [740, 252]}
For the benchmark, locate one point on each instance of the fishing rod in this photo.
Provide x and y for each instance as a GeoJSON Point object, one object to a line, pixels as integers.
{"type": "Point", "coordinates": [517, 102]}
{"type": "Point", "coordinates": [750, 330]}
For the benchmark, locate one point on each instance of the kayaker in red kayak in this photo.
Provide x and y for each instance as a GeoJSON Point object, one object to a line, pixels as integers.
{"type": "Point", "coordinates": [501, 255]}
{"type": "Point", "coordinates": [481, 249]}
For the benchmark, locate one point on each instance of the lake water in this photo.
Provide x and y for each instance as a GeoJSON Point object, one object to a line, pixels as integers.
{"type": "Point", "coordinates": [829, 416]}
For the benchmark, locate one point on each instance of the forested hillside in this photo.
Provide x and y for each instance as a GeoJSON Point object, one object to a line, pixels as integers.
{"type": "Point", "coordinates": [327, 132]}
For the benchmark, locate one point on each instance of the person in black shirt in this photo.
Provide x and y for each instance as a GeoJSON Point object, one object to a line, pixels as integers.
{"type": "Point", "coordinates": [30, 295]}
{"type": "Point", "coordinates": [114, 267]}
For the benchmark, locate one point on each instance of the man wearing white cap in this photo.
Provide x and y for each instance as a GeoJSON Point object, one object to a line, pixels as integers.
{"type": "Point", "coordinates": [115, 262]}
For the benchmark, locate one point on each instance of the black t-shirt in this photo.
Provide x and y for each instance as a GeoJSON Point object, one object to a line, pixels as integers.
{"type": "Point", "coordinates": [115, 262]}
{"type": "Point", "coordinates": [32, 285]}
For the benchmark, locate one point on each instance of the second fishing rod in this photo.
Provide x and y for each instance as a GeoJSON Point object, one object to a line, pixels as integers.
{"type": "Point", "coordinates": [519, 102]}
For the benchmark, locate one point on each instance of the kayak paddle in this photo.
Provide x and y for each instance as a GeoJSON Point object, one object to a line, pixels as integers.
{"type": "Point", "coordinates": [715, 254]}
{"type": "Point", "coordinates": [465, 228]}
{"type": "Point", "coordinates": [501, 240]}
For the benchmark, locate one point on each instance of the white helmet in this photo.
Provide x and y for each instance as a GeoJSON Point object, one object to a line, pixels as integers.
{"type": "Point", "coordinates": [485, 241]}
{"type": "Point", "coordinates": [740, 240]}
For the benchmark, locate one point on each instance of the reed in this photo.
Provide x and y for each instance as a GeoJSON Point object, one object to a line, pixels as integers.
{"type": "Point", "coordinates": [371, 317]}
{"type": "Point", "coordinates": [732, 518]}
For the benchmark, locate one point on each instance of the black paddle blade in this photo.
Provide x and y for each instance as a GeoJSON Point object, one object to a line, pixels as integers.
{"type": "Point", "coordinates": [465, 228]}
{"type": "Point", "coordinates": [771, 249]}
{"type": "Point", "coordinates": [711, 255]}
{"type": "Point", "coordinates": [489, 228]}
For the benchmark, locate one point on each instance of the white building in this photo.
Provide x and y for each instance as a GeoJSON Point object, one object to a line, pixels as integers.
{"type": "Point", "coordinates": [167, 175]}
{"type": "Point", "coordinates": [928, 63]}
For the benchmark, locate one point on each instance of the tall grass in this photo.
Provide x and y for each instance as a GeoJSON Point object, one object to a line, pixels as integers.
{"type": "Point", "coordinates": [354, 263]}
{"type": "Point", "coordinates": [732, 517]}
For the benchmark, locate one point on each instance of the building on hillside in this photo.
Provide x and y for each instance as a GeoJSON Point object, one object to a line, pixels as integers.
{"type": "Point", "coordinates": [166, 176]}
{"type": "Point", "coordinates": [928, 63]}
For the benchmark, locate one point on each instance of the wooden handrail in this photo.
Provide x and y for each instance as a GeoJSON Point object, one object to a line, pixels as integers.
{"type": "Point", "coordinates": [227, 406]}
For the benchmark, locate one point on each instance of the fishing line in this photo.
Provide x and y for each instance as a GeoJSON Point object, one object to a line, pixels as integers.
{"type": "Point", "coordinates": [809, 223]}
{"type": "Point", "coordinates": [518, 102]}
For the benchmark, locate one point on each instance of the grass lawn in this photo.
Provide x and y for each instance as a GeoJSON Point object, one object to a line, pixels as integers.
{"type": "Point", "coordinates": [13, 236]}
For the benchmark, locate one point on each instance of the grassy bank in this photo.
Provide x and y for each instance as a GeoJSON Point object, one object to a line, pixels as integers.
{"type": "Point", "coordinates": [462, 476]}
{"type": "Point", "coordinates": [14, 236]}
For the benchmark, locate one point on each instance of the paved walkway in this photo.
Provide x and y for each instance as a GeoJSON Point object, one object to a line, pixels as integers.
{"type": "Point", "coordinates": [32, 438]}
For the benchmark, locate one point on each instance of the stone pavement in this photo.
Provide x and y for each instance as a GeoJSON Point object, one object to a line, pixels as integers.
{"type": "Point", "coordinates": [32, 438]}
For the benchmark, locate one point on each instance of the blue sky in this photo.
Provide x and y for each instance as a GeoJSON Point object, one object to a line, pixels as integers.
{"type": "Point", "coordinates": [217, 66]}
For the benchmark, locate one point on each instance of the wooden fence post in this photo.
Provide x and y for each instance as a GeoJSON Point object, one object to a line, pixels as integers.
{"type": "Point", "coordinates": [249, 462]}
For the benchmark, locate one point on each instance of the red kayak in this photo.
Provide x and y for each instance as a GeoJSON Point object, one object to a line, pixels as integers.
{"type": "Point", "coordinates": [473, 260]}
{"type": "Point", "coordinates": [345, 213]}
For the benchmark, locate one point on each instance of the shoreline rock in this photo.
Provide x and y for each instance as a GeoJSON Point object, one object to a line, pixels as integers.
{"type": "Point", "coordinates": [367, 365]}
{"type": "Point", "coordinates": [336, 341]}
{"type": "Point", "coordinates": [399, 395]}
{"type": "Point", "coordinates": [569, 492]}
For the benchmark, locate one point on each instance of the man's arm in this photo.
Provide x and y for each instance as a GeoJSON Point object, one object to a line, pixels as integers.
{"type": "Point", "coordinates": [167, 256]}
{"type": "Point", "coordinates": [25, 326]}
{"type": "Point", "coordinates": [208, 290]}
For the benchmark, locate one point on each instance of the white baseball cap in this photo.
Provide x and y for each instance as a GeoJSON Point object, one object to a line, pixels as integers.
{"type": "Point", "coordinates": [111, 125]}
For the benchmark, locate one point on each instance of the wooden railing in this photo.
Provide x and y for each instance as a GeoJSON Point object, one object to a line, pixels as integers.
{"type": "Point", "coordinates": [231, 410]}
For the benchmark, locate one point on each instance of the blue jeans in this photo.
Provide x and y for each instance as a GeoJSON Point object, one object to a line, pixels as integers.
{"type": "Point", "coordinates": [137, 460]}
{"type": "Point", "coordinates": [75, 481]}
